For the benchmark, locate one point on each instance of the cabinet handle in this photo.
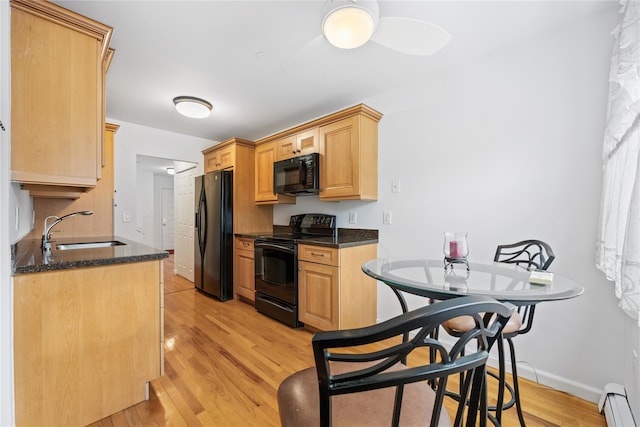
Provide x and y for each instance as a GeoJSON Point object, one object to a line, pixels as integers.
{"type": "Point", "coordinates": [317, 254]}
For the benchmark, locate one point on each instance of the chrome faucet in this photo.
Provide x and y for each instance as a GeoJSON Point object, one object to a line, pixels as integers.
{"type": "Point", "coordinates": [46, 235]}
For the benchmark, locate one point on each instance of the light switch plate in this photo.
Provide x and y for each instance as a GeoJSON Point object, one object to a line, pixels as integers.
{"type": "Point", "coordinates": [386, 217]}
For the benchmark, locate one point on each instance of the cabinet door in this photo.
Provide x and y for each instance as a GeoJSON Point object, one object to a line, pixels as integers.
{"type": "Point", "coordinates": [265, 156]}
{"type": "Point", "coordinates": [211, 162]}
{"type": "Point", "coordinates": [56, 105]}
{"type": "Point", "coordinates": [340, 157]}
{"type": "Point", "coordinates": [318, 295]}
{"type": "Point", "coordinates": [244, 269]}
{"type": "Point", "coordinates": [286, 148]}
{"type": "Point", "coordinates": [307, 141]}
{"type": "Point", "coordinates": [227, 158]}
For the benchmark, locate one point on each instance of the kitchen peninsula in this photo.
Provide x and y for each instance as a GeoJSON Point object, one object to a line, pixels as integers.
{"type": "Point", "coordinates": [88, 329]}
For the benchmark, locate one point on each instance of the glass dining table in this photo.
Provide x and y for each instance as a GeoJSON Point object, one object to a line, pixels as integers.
{"type": "Point", "coordinates": [505, 282]}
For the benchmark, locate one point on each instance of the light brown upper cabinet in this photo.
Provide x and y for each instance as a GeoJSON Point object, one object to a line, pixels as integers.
{"type": "Point", "coordinates": [349, 159]}
{"type": "Point", "coordinates": [265, 157]}
{"type": "Point", "coordinates": [58, 65]}
{"type": "Point", "coordinates": [297, 145]}
{"type": "Point", "coordinates": [238, 155]}
{"type": "Point", "coordinates": [347, 141]}
{"type": "Point", "coordinates": [223, 158]}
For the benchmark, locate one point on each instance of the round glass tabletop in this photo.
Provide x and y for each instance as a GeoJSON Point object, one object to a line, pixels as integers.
{"type": "Point", "coordinates": [504, 282]}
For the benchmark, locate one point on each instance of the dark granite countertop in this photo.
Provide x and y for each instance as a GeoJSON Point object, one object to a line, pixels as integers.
{"type": "Point", "coordinates": [347, 237]}
{"type": "Point", "coordinates": [27, 257]}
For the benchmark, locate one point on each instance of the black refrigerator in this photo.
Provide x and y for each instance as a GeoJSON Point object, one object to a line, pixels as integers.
{"type": "Point", "coordinates": [213, 269]}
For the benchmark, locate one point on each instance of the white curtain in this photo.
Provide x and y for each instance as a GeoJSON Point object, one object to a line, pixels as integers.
{"type": "Point", "coordinates": [618, 247]}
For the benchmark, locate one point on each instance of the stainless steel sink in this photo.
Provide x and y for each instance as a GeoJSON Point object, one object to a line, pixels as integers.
{"type": "Point", "coordinates": [88, 245]}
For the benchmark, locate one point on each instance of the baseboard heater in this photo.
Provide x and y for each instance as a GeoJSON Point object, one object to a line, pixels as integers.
{"type": "Point", "coordinates": [615, 406]}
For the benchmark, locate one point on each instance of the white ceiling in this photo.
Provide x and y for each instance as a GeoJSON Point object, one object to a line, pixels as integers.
{"type": "Point", "coordinates": [264, 68]}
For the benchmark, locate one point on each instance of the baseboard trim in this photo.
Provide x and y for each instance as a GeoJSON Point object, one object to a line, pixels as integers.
{"type": "Point", "coordinates": [547, 379]}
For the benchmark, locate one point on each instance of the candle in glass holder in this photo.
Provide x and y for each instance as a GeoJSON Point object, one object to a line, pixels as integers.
{"type": "Point", "coordinates": [455, 245]}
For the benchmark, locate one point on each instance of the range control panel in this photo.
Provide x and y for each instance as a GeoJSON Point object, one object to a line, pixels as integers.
{"type": "Point", "coordinates": [315, 221]}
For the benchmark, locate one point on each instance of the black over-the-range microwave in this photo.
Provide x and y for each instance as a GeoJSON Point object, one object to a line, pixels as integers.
{"type": "Point", "coordinates": [297, 176]}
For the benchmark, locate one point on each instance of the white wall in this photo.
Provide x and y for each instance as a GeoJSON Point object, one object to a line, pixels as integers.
{"type": "Point", "coordinates": [144, 207]}
{"type": "Point", "coordinates": [130, 140]}
{"type": "Point", "coordinates": [507, 148]}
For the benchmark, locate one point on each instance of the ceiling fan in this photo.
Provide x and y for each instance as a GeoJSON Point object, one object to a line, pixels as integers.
{"type": "Point", "coordinates": [349, 24]}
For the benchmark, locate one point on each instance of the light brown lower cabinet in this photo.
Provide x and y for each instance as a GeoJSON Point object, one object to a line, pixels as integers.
{"type": "Point", "coordinates": [244, 269]}
{"type": "Point", "coordinates": [333, 292]}
{"type": "Point", "coordinates": [86, 341]}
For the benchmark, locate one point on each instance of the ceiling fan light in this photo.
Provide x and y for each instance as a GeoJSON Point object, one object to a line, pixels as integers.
{"type": "Point", "coordinates": [348, 27]}
{"type": "Point", "coordinates": [193, 107]}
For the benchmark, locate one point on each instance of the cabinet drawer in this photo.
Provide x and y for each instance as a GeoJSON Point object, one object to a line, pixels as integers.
{"type": "Point", "coordinates": [318, 254]}
{"type": "Point", "coordinates": [246, 244]}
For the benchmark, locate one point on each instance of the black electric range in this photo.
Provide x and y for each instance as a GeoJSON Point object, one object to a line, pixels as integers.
{"type": "Point", "coordinates": [276, 261]}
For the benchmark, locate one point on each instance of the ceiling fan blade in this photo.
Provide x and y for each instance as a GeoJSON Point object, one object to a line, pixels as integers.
{"type": "Point", "coordinates": [312, 52]}
{"type": "Point", "coordinates": [410, 36]}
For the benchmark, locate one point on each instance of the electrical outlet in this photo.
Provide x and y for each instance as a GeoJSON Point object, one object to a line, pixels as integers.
{"type": "Point", "coordinates": [126, 217]}
{"type": "Point", "coordinates": [353, 217]}
{"type": "Point", "coordinates": [395, 186]}
{"type": "Point", "coordinates": [386, 217]}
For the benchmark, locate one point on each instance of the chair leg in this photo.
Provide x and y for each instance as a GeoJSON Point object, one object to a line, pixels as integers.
{"type": "Point", "coordinates": [501, 379]}
{"type": "Point", "coordinates": [516, 388]}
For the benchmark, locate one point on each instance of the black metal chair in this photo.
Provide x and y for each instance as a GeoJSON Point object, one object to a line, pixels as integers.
{"type": "Point", "coordinates": [361, 376]}
{"type": "Point", "coordinates": [532, 255]}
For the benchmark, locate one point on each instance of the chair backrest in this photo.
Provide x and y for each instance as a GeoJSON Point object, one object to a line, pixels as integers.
{"type": "Point", "coordinates": [533, 254]}
{"type": "Point", "coordinates": [384, 365]}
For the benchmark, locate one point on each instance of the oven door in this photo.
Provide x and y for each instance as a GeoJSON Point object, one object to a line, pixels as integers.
{"type": "Point", "coordinates": [279, 273]}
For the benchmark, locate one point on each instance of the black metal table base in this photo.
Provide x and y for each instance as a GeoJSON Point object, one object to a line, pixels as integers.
{"type": "Point", "coordinates": [513, 391]}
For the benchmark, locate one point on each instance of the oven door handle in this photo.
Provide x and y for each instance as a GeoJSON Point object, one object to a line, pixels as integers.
{"type": "Point", "coordinates": [274, 246]}
{"type": "Point", "coordinates": [273, 301]}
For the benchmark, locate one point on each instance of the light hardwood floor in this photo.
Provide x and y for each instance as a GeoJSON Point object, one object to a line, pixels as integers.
{"type": "Point", "coordinates": [224, 362]}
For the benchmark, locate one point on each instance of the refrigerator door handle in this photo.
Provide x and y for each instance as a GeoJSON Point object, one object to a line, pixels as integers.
{"type": "Point", "coordinates": [202, 228]}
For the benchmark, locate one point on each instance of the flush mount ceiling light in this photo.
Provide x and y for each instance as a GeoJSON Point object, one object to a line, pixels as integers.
{"type": "Point", "coordinates": [350, 24]}
{"type": "Point", "coordinates": [193, 107]}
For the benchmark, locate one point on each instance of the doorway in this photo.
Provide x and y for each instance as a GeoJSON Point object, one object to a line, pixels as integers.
{"type": "Point", "coordinates": [167, 220]}
{"type": "Point", "coordinates": [165, 208]}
